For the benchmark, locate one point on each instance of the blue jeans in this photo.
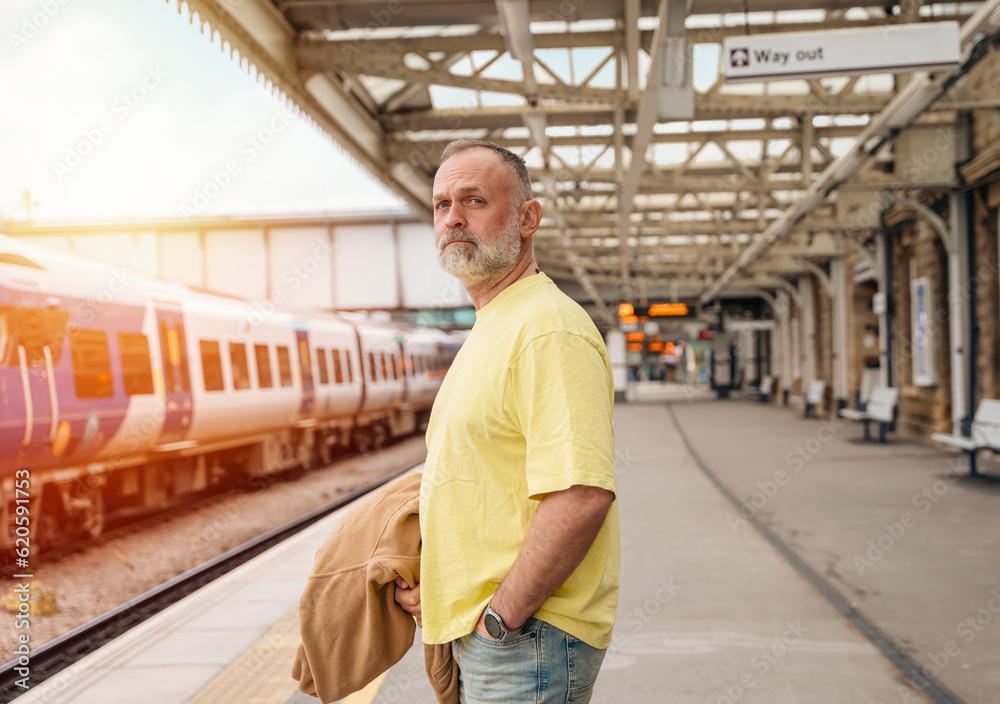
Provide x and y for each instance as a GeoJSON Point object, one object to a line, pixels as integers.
{"type": "Point", "coordinates": [543, 665]}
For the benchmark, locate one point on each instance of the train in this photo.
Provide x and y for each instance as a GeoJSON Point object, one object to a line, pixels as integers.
{"type": "Point", "coordinates": [125, 392]}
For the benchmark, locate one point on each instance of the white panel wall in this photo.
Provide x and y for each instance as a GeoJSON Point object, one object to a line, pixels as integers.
{"type": "Point", "coordinates": [294, 265]}
{"type": "Point", "coordinates": [425, 285]}
{"type": "Point", "coordinates": [56, 243]}
{"type": "Point", "coordinates": [236, 262]}
{"type": "Point", "coordinates": [133, 251]}
{"type": "Point", "coordinates": [181, 258]}
{"type": "Point", "coordinates": [302, 267]}
{"type": "Point", "coordinates": [365, 267]}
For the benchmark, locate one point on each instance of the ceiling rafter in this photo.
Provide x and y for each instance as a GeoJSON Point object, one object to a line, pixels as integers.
{"type": "Point", "coordinates": [618, 190]}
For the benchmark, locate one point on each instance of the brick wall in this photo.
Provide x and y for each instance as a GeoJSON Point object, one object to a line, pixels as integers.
{"type": "Point", "coordinates": [861, 323]}
{"type": "Point", "coordinates": [984, 79]}
{"type": "Point", "coordinates": [986, 299]}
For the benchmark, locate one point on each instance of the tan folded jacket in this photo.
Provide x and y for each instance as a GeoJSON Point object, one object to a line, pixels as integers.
{"type": "Point", "coordinates": [352, 628]}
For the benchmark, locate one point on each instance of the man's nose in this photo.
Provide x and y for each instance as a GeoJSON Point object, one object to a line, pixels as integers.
{"type": "Point", "coordinates": [455, 217]}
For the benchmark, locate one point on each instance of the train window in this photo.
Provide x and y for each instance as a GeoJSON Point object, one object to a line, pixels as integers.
{"type": "Point", "coordinates": [383, 365]}
{"type": "Point", "coordinates": [169, 352]}
{"type": "Point", "coordinates": [324, 371]}
{"type": "Point", "coordinates": [178, 339]}
{"type": "Point", "coordinates": [91, 363]}
{"type": "Point", "coordinates": [304, 359]}
{"type": "Point", "coordinates": [175, 358]}
{"type": "Point", "coordinates": [238, 361]}
{"type": "Point", "coordinates": [35, 329]}
{"type": "Point", "coordinates": [284, 366]}
{"type": "Point", "coordinates": [263, 357]}
{"type": "Point", "coordinates": [371, 366]}
{"type": "Point", "coordinates": [350, 371]}
{"type": "Point", "coordinates": [5, 336]}
{"type": "Point", "coordinates": [211, 365]}
{"type": "Point", "coordinates": [338, 372]}
{"type": "Point", "coordinates": [137, 371]}
{"type": "Point", "coordinates": [393, 365]}
{"type": "Point", "coordinates": [412, 367]}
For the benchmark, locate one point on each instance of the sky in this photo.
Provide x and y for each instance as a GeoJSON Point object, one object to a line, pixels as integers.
{"type": "Point", "coordinates": [116, 109]}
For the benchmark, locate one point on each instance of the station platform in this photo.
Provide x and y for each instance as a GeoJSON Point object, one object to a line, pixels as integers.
{"type": "Point", "coordinates": [718, 605]}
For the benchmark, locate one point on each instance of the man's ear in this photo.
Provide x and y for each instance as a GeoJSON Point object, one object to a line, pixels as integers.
{"type": "Point", "coordinates": [531, 217]}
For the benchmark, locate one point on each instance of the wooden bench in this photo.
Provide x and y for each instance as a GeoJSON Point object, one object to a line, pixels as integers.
{"type": "Point", "coordinates": [985, 432]}
{"type": "Point", "coordinates": [764, 390]}
{"type": "Point", "coordinates": [814, 397]}
{"type": "Point", "coordinates": [880, 408]}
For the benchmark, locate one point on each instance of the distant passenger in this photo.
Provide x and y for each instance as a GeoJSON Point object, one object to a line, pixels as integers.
{"type": "Point", "coordinates": [518, 519]}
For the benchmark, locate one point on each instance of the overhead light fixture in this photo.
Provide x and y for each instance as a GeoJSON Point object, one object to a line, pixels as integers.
{"type": "Point", "coordinates": [515, 19]}
{"type": "Point", "coordinates": [535, 121]}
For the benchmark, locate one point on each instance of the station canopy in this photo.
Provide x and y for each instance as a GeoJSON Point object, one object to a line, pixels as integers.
{"type": "Point", "coordinates": [647, 194]}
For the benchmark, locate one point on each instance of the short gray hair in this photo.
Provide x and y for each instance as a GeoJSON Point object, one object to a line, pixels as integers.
{"type": "Point", "coordinates": [510, 160]}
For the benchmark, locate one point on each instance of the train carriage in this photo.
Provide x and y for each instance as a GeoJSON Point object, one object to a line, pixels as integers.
{"type": "Point", "coordinates": [124, 392]}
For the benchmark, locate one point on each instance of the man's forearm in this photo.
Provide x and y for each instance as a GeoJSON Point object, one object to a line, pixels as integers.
{"type": "Point", "coordinates": [564, 528]}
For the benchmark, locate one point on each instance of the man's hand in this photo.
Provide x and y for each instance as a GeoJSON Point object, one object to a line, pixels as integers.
{"type": "Point", "coordinates": [408, 599]}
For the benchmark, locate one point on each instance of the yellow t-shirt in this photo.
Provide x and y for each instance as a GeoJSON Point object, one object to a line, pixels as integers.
{"type": "Point", "coordinates": [524, 410]}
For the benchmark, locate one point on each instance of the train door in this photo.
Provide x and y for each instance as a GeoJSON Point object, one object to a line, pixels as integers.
{"type": "Point", "coordinates": [305, 364]}
{"type": "Point", "coordinates": [35, 354]}
{"type": "Point", "coordinates": [178, 406]}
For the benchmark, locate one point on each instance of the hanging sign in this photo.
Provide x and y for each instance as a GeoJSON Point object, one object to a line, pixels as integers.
{"type": "Point", "coordinates": [925, 46]}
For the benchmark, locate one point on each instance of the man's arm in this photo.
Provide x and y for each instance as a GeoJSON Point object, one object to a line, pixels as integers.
{"type": "Point", "coordinates": [565, 526]}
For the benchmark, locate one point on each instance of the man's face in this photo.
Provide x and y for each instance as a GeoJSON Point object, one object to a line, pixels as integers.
{"type": "Point", "coordinates": [476, 225]}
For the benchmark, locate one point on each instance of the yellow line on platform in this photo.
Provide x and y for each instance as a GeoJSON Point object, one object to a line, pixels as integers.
{"type": "Point", "coordinates": [263, 674]}
{"type": "Point", "coordinates": [366, 695]}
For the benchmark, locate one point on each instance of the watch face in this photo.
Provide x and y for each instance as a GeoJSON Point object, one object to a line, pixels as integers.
{"type": "Point", "coordinates": [493, 626]}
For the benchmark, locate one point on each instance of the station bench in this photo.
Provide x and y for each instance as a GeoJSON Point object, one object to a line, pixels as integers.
{"type": "Point", "coordinates": [985, 433]}
{"type": "Point", "coordinates": [764, 390]}
{"type": "Point", "coordinates": [880, 408]}
{"type": "Point", "coordinates": [814, 397]}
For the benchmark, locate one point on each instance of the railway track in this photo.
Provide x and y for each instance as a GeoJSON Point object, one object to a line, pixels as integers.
{"type": "Point", "coordinates": [120, 524]}
{"type": "Point", "coordinates": [62, 652]}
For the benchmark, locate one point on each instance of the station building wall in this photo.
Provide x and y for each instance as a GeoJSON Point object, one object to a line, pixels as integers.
{"type": "Point", "coordinates": [312, 262]}
{"type": "Point", "coordinates": [986, 296]}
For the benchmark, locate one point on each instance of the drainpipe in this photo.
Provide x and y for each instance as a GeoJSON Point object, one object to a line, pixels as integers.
{"type": "Point", "coordinates": [972, 327]}
{"type": "Point", "coordinates": [967, 236]}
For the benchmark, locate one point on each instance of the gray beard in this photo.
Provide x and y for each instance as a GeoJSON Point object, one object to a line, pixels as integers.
{"type": "Point", "coordinates": [476, 263]}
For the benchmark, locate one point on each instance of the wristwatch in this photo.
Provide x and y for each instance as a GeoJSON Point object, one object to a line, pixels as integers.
{"type": "Point", "coordinates": [497, 628]}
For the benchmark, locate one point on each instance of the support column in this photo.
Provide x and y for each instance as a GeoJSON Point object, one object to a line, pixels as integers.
{"type": "Point", "coordinates": [784, 324]}
{"type": "Point", "coordinates": [838, 281]}
{"type": "Point", "coordinates": [882, 277]}
{"type": "Point", "coordinates": [958, 292]}
{"type": "Point", "coordinates": [615, 341]}
{"type": "Point", "coordinates": [748, 358]}
{"type": "Point", "coordinates": [808, 342]}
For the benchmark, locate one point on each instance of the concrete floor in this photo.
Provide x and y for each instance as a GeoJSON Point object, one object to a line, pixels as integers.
{"type": "Point", "coordinates": [896, 528]}
{"type": "Point", "coordinates": [711, 613]}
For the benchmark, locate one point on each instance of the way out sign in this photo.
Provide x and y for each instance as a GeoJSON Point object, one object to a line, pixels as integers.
{"type": "Point", "coordinates": [928, 46]}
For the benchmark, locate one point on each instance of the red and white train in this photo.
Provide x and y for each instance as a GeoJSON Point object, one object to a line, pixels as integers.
{"type": "Point", "coordinates": [121, 391]}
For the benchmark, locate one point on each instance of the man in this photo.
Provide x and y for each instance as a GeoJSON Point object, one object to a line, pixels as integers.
{"type": "Point", "coordinates": [520, 554]}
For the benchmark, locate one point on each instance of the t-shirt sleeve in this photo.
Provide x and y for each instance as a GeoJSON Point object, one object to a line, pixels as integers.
{"type": "Point", "coordinates": [559, 396]}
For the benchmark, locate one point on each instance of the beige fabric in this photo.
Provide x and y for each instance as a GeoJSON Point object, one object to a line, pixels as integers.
{"type": "Point", "coordinates": [351, 626]}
